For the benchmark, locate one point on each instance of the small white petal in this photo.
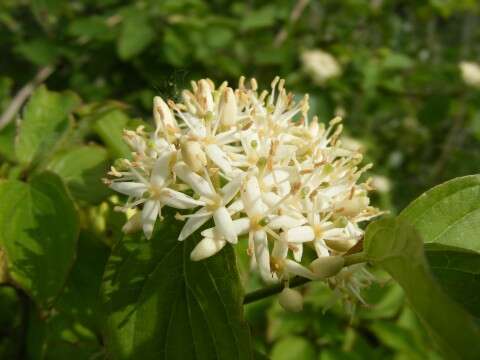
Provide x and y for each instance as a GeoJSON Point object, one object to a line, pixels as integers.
{"type": "Point", "coordinates": [224, 224]}
{"type": "Point", "coordinates": [198, 184]}
{"type": "Point", "coordinates": [235, 207]}
{"type": "Point", "coordinates": [241, 227]}
{"type": "Point", "coordinates": [206, 248]}
{"type": "Point", "coordinates": [231, 189]}
{"type": "Point", "coordinates": [150, 212]}
{"type": "Point", "coordinates": [129, 188]}
{"type": "Point", "coordinates": [194, 223]}
{"type": "Point", "coordinates": [280, 249]}
{"type": "Point", "coordinates": [299, 234]}
{"type": "Point", "coordinates": [262, 255]}
{"type": "Point", "coordinates": [161, 169]}
{"type": "Point", "coordinates": [285, 222]}
{"type": "Point", "coordinates": [219, 157]}
{"type": "Point", "coordinates": [295, 268]}
{"type": "Point", "coordinates": [297, 250]}
{"type": "Point", "coordinates": [178, 200]}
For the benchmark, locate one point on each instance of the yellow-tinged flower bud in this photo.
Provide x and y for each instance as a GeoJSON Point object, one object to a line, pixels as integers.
{"type": "Point", "coordinates": [291, 300]}
{"type": "Point", "coordinates": [162, 114]}
{"type": "Point", "coordinates": [327, 266]}
{"type": "Point", "coordinates": [341, 245]}
{"type": "Point", "coordinates": [353, 206]}
{"type": "Point", "coordinates": [134, 224]}
{"type": "Point", "coordinates": [193, 155]}
{"type": "Point", "coordinates": [228, 108]}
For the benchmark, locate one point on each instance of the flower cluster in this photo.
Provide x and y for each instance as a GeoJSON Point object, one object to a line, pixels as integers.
{"type": "Point", "coordinates": [470, 73]}
{"type": "Point", "coordinates": [258, 166]}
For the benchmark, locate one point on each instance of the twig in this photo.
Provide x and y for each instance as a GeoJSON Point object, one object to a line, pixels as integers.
{"type": "Point", "coordinates": [295, 282]}
{"type": "Point", "coordinates": [294, 16]}
{"type": "Point", "coordinates": [23, 95]}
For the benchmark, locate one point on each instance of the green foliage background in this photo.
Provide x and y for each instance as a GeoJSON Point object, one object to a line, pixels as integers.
{"type": "Point", "coordinates": [400, 89]}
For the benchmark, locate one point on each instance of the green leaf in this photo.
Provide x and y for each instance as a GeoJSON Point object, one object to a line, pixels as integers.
{"type": "Point", "coordinates": [45, 119]}
{"type": "Point", "coordinates": [82, 169]}
{"type": "Point", "coordinates": [293, 347]}
{"type": "Point", "coordinates": [397, 247]}
{"type": "Point", "coordinates": [448, 214]}
{"type": "Point", "coordinates": [448, 219]}
{"type": "Point", "coordinates": [38, 231]}
{"type": "Point", "coordinates": [458, 271]}
{"type": "Point", "coordinates": [79, 298]}
{"type": "Point", "coordinates": [136, 34]}
{"type": "Point", "coordinates": [160, 304]}
{"type": "Point", "coordinates": [7, 141]}
{"type": "Point", "coordinates": [110, 129]}
{"type": "Point", "coordinates": [39, 52]}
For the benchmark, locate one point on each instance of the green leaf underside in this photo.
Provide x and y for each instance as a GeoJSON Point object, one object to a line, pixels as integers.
{"type": "Point", "coordinates": [458, 271]}
{"type": "Point", "coordinates": [44, 120]}
{"type": "Point", "coordinates": [448, 214]}
{"type": "Point", "coordinates": [161, 305]}
{"type": "Point", "coordinates": [397, 247]}
{"type": "Point", "coordinates": [38, 230]}
{"type": "Point", "coordinates": [82, 169]}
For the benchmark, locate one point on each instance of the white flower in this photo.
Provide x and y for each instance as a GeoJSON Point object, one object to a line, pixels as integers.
{"type": "Point", "coordinates": [320, 65]}
{"type": "Point", "coordinates": [470, 73]}
{"type": "Point", "coordinates": [253, 165]}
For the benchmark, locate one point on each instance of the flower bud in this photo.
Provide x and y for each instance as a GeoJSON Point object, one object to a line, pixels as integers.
{"type": "Point", "coordinates": [206, 248]}
{"type": "Point", "coordinates": [205, 95]}
{"type": "Point", "coordinates": [353, 206]}
{"type": "Point", "coordinates": [228, 108]}
{"type": "Point", "coordinates": [162, 114]}
{"type": "Point", "coordinates": [327, 266]}
{"type": "Point", "coordinates": [291, 300]}
{"type": "Point", "coordinates": [193, 155]}
{"type": "Point", "coordinates": [341, 245]}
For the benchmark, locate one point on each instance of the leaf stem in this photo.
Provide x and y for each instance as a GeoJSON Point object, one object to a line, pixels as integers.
{"type": "Point", "coordinates": [297, 281]}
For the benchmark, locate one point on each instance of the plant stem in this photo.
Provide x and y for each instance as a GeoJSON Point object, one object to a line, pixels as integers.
{"type": "Point", "coordinates": [297, 281]}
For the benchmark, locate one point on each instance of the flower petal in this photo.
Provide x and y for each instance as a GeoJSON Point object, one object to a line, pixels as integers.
{"type": "Point", "coordinates": [219, 157]}
{"type": "Point", "coordinates": [299, 234]}
{"type": "Point", "coordinates": [294, 268]}
{"type": "Point", "coordinates": [161, 169]}
{"type": "Point", "coordinates": [149, 216]}
{"type": "Point", "coordinates": [198, 184]}
{"type": "Point", "coordinates": [129, 188]}
{"type": "Point", "coordinates": [178, 200]}
{"type": "Point", "coordinates": [224, 224]}
{"type": "Point", "coordinates": [194, 223]}
{"type": "Point", "coordinates": [206, 248]}
{"type": "Point", "coordinates": [231, 189]}
{"type": "Point", "coordinates": [262, 255]}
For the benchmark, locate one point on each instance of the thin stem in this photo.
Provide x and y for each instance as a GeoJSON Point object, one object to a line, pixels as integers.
{"type": "Point", "coordinates": [297, 281]}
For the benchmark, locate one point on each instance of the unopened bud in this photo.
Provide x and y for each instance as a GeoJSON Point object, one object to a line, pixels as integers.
{"type": "Point", "coordinates": [291, 300]}
{"type": "Point", "coordinates": [162, 114]}
{"type": "Point", "coordinates": [327, 266]}
{"type": "Point", "coordinates": [206, 248]}
{"type": "Point", "coordinates": [228, 108]}
{"type": "Point", "coordinates": [205, 95]}
{"type": "Point", "coordinates": [342, 245]}
{"type": "Point", "coordinates": [353, 206]}
{"type": "Point", "coordinates": [193, 155]}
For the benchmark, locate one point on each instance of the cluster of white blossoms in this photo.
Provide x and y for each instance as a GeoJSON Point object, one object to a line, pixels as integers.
{"type": "Point", "coordinates": [320, 65]}
{"type": "Point", "coordinates": [256, 164]}
{"type": "Point", "coordinates": [470, 73]}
